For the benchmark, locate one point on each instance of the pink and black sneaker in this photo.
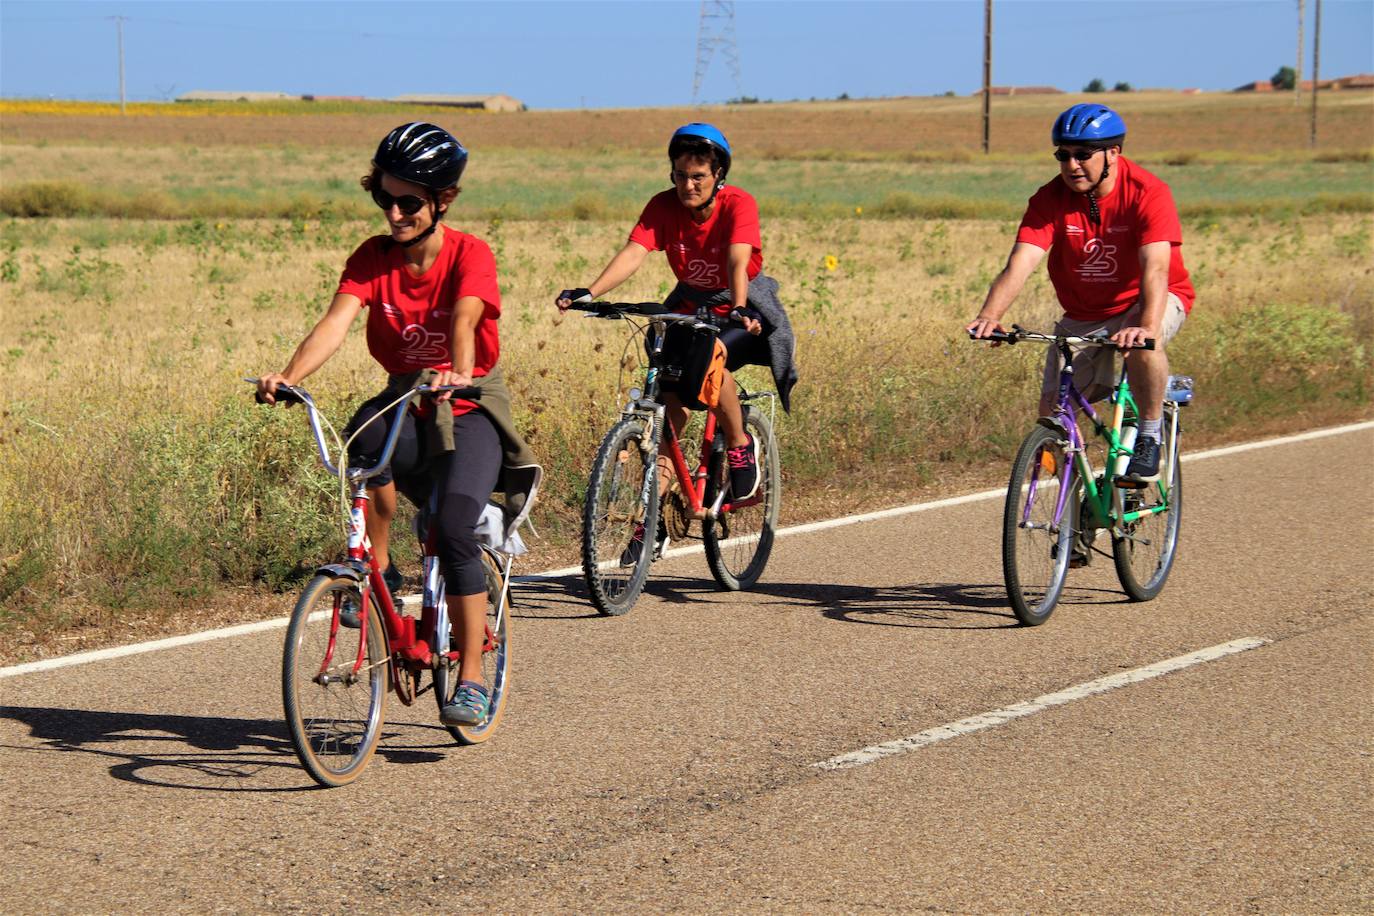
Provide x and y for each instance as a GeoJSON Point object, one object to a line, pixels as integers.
{"type": "Point", "coordinates": [743, 461]}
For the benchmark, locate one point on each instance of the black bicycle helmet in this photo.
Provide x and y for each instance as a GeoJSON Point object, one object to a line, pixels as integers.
{"type": "Point", "coordinates": [422, 154]}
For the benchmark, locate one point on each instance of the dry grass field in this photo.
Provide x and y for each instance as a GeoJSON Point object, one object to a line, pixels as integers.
{"type": "Point", "coordinates": [138, 482]}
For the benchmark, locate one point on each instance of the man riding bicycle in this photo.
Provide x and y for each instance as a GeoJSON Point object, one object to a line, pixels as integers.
{"type": "Point", "coordinates": [710, 233]}
{"type": "Point", "coordinates": [1113, 235]}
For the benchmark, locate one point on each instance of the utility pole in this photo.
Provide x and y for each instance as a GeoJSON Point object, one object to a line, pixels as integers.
{"type": "Point", "coordinates": [119, 25]}
{"type": "Point", "coordinates": [717, 27]}
{"type": "Point", "coordinates": [1297, 73]}
{"type": "Point", "coordinates": [1316, 68]}
{"type": "Point", "coordinates": [987, 75]}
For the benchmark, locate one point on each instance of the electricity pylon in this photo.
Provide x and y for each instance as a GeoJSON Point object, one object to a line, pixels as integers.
{"type": "Point", "coordinates": [717, 29]}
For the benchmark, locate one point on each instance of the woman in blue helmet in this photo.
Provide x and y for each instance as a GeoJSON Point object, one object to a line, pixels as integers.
{"type": "Point", "coordinates": [709, 231]}
{"type": "Point", "coordinates": [1112, 233]}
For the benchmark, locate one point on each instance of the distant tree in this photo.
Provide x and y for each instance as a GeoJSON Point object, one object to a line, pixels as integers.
{"type": "Point", "coordinates": [1122, 87]}
{"type": "Point", "coordinates": [1286, 78]}
{"type": "Point", "coordinates": [744, 100]}
{"type": "Point", "coordinates": [949, 93]}
{"type": "Point", "coordinates": [1095, 86]}
{"type": "Point", "coordinates": [843, 97]}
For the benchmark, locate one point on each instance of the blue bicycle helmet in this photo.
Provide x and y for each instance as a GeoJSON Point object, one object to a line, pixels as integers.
{"type": "Point", "coordinates": [697, 132]}
{"type": "Point", "coordinates": [1090, 124]}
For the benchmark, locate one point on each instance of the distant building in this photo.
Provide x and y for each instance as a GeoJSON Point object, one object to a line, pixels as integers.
{"type": "Point", "coordinates": [219, 95]}
{"type": "Point", "coordinates": [496, 102]}
{"type": "Point", "coordinates": [1358, 81]}
{"type": "Point", "coordinates": [1021, 90]}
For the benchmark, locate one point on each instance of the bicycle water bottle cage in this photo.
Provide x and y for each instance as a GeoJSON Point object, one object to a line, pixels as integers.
{"type": "Point", "coordinates": [1180, 389]}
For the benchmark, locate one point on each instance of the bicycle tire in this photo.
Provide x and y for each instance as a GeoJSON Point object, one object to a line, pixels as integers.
{"type": "Point", "coordinates": [622, 493]}
{"type": "Point", "coordinates": [495, 665]}
{"type": "Point", "coordinates": [335, 725]}
{"type": "Point", "coordinates": [1145, 551]}
{"type": "Point", "coordinates": [739, 543]}
{"type": "Point", "coordinates": [1035, 556]}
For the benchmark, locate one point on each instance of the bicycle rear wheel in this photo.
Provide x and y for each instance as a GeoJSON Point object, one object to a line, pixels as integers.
{"type": "Point", "coordinates": [622, 501]}
{"type": "Point", "coordinates": [495, 663]}
{"type": "Point", "coordinates": [333, 712]}
{"type": "Point", "coordinates": [1035, 551]}
{"type": "Point", "coordinates": [739, 542]}
{"type": "Point", "coordinates": [1144, 552]}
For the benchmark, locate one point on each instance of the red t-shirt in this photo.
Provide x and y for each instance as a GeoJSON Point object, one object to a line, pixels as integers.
{"type": "Point", "coordinates": [699, 253]}
{"type": "Point", "coordinates": [1096, 268]}
{"type": "Point", "coordinates": [410, 318]}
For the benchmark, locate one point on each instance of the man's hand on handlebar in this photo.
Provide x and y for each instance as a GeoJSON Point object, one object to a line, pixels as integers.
{"type": "Point", "coordinates": [569, 296]}
{"type": "Point", "coordinates": [982, 328]}
{"type": "Point", "coordinates": [1131, 338]}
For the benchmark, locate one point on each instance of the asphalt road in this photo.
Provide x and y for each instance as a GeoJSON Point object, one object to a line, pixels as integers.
{"type": "Point", "coordinates": [666, 760]}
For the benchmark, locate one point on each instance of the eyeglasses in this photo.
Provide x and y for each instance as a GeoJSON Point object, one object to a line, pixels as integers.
{"type": "Point", "coordinates": [1082, 155]}
{"type": "Point", "coordinates": [408, 204]}
{"type": "Point", "coordinates": [683, 178]}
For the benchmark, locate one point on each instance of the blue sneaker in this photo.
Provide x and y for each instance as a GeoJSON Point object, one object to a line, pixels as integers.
{"type": "Point", "coordinates": [469, 707]}
{"type": "Point", "coordinates": [1144, 464]}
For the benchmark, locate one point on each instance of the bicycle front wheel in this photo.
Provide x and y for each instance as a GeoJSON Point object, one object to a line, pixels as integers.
{"type": "Point", "coordinates": [1145, 548]}
{"type": "Point", "coordinates": [620, 519]}
{"type": "Point", "coordinates": [333, 689]}
{"type": "Point", "coordinates": [739, 542]}
{"type": "Point", "coordinates": [1036, 549]}
{"type": "Point", "coordinates": [495, 663]}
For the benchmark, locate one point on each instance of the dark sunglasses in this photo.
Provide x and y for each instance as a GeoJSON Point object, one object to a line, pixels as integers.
{"type": "Point", "coordinates": [1083, 155]}
{"type": "Point", "coordinates": [408, 204]}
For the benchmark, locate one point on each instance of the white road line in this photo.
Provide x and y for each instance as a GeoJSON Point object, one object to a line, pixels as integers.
{"type": "Point", "coordinates": [81, 658]}
{"type": "Point", "coordinates": [1039, 704]}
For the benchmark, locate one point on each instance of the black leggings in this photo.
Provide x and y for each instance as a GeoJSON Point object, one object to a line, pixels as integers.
{"type": "Point", "coordinates": [743, 348]}
{"type": "Point", "coordinates": [466, 478]}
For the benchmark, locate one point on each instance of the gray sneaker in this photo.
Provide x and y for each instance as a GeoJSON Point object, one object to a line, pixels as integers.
{"type": "Point", "coordinates": [470, 705]}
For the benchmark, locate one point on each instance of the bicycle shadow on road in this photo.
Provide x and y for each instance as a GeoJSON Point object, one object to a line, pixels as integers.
{"type": "Point", "coordinates": [206, 753]}
{"type": "Point", "coordinates": [931, 605]}
{"type": "Point", "coordinates": [563, 598]}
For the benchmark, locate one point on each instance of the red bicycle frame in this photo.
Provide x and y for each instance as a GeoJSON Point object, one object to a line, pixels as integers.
{"type": "Point", "coordinates": [694, 484]}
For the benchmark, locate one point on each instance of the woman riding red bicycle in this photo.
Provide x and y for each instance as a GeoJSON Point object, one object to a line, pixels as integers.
{"type": "Point", "coordinates": [432, 302]}
{"type": "Point", "coordinates": [710, 233]}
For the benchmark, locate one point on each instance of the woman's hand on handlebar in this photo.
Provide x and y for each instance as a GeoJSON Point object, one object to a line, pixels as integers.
{"type": "Point", "coordinates": [569, 296]}
{"type": "Point", "coordinates": [749, 320]}
{"type": "Point", "coordinates": [267, 387]}
{"type": "Point", "coordinates": [447, 377]}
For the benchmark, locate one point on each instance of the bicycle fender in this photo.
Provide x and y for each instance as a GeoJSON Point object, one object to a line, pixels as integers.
{"type": "Point", "coordinates": [1054, 424]}
{"type": "Point", "coordinates": [343, 571]}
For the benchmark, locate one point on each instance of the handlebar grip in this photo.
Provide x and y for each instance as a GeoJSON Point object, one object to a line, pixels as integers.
{"type": "Point", "coordinates": [465, 393]}
{"type": "Point", "coordinates": [1147, 344]}
{"type": "Point", "coordinates": [282, 395]}
{"type": "Point", "coordinates": [1000, 336]}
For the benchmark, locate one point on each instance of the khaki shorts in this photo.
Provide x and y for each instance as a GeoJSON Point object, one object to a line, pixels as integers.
{"type": "Point", "coordinates": [1094, 368]}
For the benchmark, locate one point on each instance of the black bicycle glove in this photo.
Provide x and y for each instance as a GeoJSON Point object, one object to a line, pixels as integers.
{"type": "Point", "coordinates": [581, 294]}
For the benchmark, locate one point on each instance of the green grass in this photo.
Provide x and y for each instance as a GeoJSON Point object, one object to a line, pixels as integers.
{"type": "Point", "coordinates": [229, 183]}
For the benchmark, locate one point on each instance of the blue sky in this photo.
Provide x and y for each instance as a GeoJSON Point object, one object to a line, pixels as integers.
{"type": "Point", "coordinates": [629, 54]}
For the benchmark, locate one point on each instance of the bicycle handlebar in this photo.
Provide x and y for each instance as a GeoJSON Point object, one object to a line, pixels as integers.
{"type": "Point", "coordinates": [1018, 333]}
{"type": "Point", "coordinates": [620, 309]}
{"type": "Point", "coordinates": [295, 394]}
